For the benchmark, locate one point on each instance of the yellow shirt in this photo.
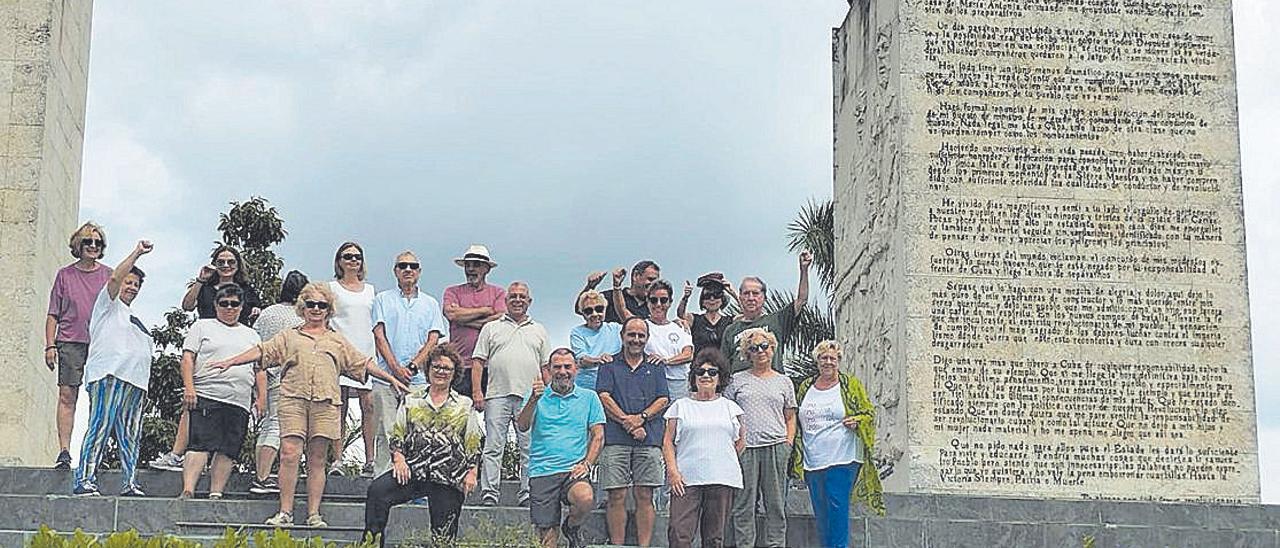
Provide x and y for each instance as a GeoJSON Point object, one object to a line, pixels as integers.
{"type": "Point", "coordinates": [310, 364]}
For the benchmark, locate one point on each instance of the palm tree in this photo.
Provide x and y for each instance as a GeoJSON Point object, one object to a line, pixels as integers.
{"type": "Point", "coordinates": [813, 229]}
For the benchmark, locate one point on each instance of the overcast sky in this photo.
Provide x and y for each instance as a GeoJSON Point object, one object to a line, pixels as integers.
{"type": "Point", "coordinates": [568, 136]}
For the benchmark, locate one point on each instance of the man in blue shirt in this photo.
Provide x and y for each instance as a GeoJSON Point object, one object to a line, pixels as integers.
{"type": "Point", "coordinates": [568, 431]}
{"type": "Point", "coordinates": [633, 391]}
{"type": "Point", "coordinates": [407, 325]}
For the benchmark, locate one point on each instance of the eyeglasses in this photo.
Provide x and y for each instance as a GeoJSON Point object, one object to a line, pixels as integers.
{"type": "Point", "coordinates": [224, 262]}
{"type": "Point", "coordinates": [759, 347]}
{"type": "Point", "coordinates": [230, 304]}
{"type": "Point", "coordinates": [442, 369]}
{"type": "Point", "coordinates": [708, 372]}
{"type": "Point", "coordinates": [406, 265]}
{"type": "Point", "coordinates": [598, 309]}
{"type": "Point", "coordinates": [95, 242]}
{"type": "Point", "coordinates": [321, 305]}
{"type": "Point", "coordinates": [659, 300]}
{"type": "Point", "coordinates": [352, 257]}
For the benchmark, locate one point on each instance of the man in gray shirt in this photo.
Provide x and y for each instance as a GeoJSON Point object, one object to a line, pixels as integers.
{"type": "Point", "coordinates": [511, 350]}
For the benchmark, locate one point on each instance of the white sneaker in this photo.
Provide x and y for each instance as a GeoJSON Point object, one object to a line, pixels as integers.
{"type": "Point", "coordinates": [281, 519]}
{"type": "Point", "coordinates": [168, 461]}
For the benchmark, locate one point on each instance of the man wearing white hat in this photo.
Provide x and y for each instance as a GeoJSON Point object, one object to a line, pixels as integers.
{"type": "Point", "coordinates": [469, 306]}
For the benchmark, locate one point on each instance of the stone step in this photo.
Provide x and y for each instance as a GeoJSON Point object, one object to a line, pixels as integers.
{"type": "Point", "coordinates": [331, 533]}
{"type": "Point", "coordinates": [205, 518]}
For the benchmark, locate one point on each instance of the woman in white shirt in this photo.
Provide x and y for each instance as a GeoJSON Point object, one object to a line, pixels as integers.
{"type": "Point", "coordinates": [703, 438]}
{"type": "Point", "coordinates": [353, 319]}
{"type": "Point", "coordinates": [833, 451]}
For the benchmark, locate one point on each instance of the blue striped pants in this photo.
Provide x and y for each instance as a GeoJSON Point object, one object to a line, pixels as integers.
{"type": "Point", "coordinates": [115, 408]}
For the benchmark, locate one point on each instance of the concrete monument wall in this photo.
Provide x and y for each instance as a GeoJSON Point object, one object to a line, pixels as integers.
{"type": "Point", "coordinates": [1040, 246]}
{"type": "Point", "coordinates": [44, 67]}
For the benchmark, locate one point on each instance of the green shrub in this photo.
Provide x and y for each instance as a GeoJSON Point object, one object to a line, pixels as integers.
{"type": "Point", "coordinates": [483, 534]}
{"type": "Point", "coordinates": [231, 538]}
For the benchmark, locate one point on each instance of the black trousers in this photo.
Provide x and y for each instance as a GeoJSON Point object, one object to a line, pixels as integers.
{"type": "Point", "coordinates": [444, 502]}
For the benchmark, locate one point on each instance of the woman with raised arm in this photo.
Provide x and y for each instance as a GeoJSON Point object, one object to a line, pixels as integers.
{"type": "Point", "coordinates": [311, 357]}
{"type": "Point", "coordinates": [118, 370]}
{"type": "Point", "coordinates": [707, 328]}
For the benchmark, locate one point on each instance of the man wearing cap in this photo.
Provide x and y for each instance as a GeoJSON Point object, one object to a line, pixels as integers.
{"type": "Point", "coordinates": [752, 293]}
{"type": "Point", "coordinates": [468, 307]}
{"type": "Point", "coordinates": [643, 274]}
{"type": "Point", "coordinates": [407, 326]}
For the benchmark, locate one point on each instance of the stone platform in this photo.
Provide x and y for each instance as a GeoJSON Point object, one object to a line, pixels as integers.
{"type": "Point", "coordinates": [30, 497]}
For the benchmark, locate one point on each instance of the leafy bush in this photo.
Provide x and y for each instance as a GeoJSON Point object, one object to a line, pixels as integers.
{"type": "Point", "coordinates": [484, 533]}
{"type": "Point", "coordinates": [48, 538]}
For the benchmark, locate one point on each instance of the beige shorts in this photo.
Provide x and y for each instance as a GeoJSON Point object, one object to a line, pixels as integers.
{"type": "Point", "coordinates": [308, 419]}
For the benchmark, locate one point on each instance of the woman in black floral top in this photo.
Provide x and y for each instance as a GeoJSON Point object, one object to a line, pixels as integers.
{"type": "Point", "coordinates": [435, 450]}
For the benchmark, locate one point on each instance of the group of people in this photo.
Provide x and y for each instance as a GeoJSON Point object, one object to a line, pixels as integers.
{"type": "Point", "coordinates": [690, 412]}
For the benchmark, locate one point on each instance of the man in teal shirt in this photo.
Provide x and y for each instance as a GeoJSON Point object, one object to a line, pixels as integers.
{"type": "Point", "coordinates": [568, 432]}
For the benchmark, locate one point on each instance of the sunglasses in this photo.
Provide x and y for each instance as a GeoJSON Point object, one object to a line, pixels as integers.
{"type": "Point", "coordinates": [352, 257]}
{"type": "Point", "coordinates": [708, 372]}
{"type": "Point", "coordinates": [598, 309]}
{"type": "Point", "coordinates": [759, 347]}
{"type": "Point", "coordinates": [711, 296]}
{"type": "Point", "coordinates": [95, 242]}
{"type": "Point", "coordinates": [229, 304]}
{"type": "Point", "coordinates": [224, 262]}
{"type": "Point", "coordinates": [406, 265]}
{"type": "Point", "coordinates": [322, 305]}
{"type": "Point", "coordinates": [659, 300]}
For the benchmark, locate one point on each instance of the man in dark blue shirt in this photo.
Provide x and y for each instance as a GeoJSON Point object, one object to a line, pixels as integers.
{"type": "Point", "coordinates": [633, 391]}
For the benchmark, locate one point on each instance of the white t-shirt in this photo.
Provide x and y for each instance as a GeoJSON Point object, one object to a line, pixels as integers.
{"type": "Point", "coordinates": [668, 340]}
{"type": "Point", "coordinates": [119, 345]}
{"type": "Point", "coordinates": [211, 340]}
{"type": "Point", "coordinates": [827, 441]}
{"type": "Point", "coordinates": [705, 433]}
{"type": "Point", "coordinates": [353, 319]}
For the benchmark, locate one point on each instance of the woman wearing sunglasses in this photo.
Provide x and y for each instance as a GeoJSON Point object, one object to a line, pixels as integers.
{"type": "Point", "coordinates": [354, 320]}
{"type": "Point", "coordinates": [833, 452]}
{"type": "Point", "coordinates": [594, 342]}
{"type": "Point", "coordinates": [66, 327]}
{"type": "Point", "coordinates": [768, 400]}
{"type": "Point", "coordinates": [311, 358]}
{"type": "Point", "coordinates": [707, 328]}
{"type": "Point", "coordinates": [225, 267]}
{"type": "Point", "coordinates": [703, 438]}
{"type": "Point", "coordinates": [435, 452]}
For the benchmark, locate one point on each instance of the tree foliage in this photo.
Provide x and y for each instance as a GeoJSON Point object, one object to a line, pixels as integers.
{"type": "Point", "coordinates": [253, 227]}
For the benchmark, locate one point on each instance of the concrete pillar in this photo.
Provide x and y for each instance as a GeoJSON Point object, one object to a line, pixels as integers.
{"type": "Point", "coordinates": [44, 69]}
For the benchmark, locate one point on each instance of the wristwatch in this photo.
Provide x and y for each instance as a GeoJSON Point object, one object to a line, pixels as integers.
{"type": "Point", "coordinates": [644, 415]}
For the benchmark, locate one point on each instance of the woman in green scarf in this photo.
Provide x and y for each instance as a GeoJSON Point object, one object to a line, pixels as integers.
{"type": "Point", "coordinates": [832, 454]}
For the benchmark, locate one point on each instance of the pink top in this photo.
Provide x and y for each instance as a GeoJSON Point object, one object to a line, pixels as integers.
{"type": "Point", "coordinates": [464, 338]}
{"type": "Point", "coordinates": [71, 300]}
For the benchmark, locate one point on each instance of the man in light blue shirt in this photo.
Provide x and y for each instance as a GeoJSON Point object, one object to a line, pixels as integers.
{"type": "Point", "coordinates": [407, 325]}
{"type": "Point", "coordinates": [568, 432]}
